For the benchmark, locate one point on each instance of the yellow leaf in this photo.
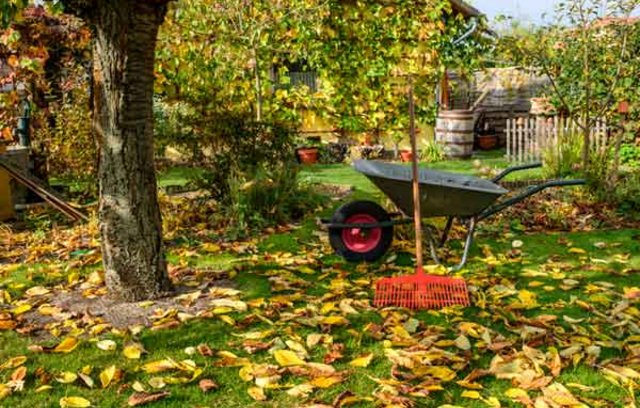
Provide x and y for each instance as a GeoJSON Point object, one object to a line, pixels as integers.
{"type": "Point", "coordinates": [107, 345]}
{"type": "Point", "coordinates": [37, 291]}
{"type": "Point", "coordinates": [362, 361]}
{"type": "Point", "coordinates": [66, 377]}
{"type": "Point", "coordinates": [301, 390]}
{"type": "Point", "coordinates": [159, 366]}
{"type": "Point", "coordinates": [287, 358]}
{"type": "Point", "coordinates": [133, 351]}
{"type": "Point", "coordinates": [106, 376]}
{"type": "Point", "coordinates": [74, 402]}
{"type": "Point", "coordinates": [23, 308]}
{"type": "Point", "coordinates": [516, 393]}
{"type": "Point", "coordinates": [138, 387]}
{"type": "Point", "coordinates": [13, 362]}
{"type": "Point", "coordinates": [211, 248]}
{"type": "Point", "coordinates": [327, 308]}
{"type": "Point", "coordinates": [5, 391]}
{"type": "Point", "coordinates": [335, 321]}
{"type": "Point", "coordinates": [157, 382]}
{"type": "Point", "coordinates": [257, 393]}
{"type": "Point", "coordinates": [326, 382]}
{"type": "Point", "coordinates": [67, 345]}
{"type": "Point", "coordinates": [463, 343]}
{"type": "Point", "coordinates": [577, 251]}
{"type": "Point", "coordinates": [440, 372]}
{"type": "Point", "coordinates": [471, 394]}
{"type": "Point", "coordinates": [227, 319]}
{"type": "Point", "coordinates": [42, 388]}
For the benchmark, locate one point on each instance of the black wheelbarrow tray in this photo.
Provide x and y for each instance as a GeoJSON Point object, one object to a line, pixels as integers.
{"type": "Point", "coordinates": [363, 230]}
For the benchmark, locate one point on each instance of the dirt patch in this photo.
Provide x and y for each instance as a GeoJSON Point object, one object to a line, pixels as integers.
{"type": "Point", "coordinates": [88, 307]}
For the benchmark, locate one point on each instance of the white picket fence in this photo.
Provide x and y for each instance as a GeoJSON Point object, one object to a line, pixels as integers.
{"type": "Point", "coordinates": [528, 137]}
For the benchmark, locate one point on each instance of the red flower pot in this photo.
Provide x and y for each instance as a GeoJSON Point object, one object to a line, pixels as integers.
{"type": "Point", "coordinates": [487, 142]}
{"type": "Point", "coordinates": [308, 155]}
{"type": "Point", "coordinates": [406, 156]}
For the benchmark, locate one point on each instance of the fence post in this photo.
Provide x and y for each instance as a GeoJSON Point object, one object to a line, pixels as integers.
{"type": "Point", "coordinates": [509, 139]}
{"type": "Point", "coordinates": [520, 139]}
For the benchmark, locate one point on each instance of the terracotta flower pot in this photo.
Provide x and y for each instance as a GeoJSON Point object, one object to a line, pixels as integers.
{"type": "Point", "coordinates": [308, 155]}
{"type": "Point", "coordinates": [406, 156]}
{"type": "Point", "coordinates": [487, 142]}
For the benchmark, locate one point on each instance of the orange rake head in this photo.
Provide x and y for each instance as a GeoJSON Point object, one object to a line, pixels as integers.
{"type": "Point", "coordinates": [421, 291]}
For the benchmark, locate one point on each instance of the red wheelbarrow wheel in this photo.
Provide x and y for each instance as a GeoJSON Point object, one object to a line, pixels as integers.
{"type": "Point", "coordinates": [361, 244]}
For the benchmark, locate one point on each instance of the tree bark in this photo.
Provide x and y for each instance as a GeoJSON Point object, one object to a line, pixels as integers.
{"type": "Point", "coordinates": [123, 77]}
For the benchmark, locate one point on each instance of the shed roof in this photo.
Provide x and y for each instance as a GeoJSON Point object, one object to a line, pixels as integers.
{"type": "Point", "coordinates": [465, 8]}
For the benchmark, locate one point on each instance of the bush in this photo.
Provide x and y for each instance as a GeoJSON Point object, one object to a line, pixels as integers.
{"type": "Point", "coordinates": [235, 144]}
{"type": "Point", "coordinates": [560, 159]}
{"type": "Point", "coordinates": [432, 152]}
{"type": "Point", "coordinates": [251, 171]}
{"type": "Point", "coordinates": [630, 156]}
{"type": "Point", "coordinates": [259, 199]}
{"type": "Point", "coordinates": [68, 146]}
{"type": "Point", "coordinates": [334, 153]}
{"type": "Point", "coordinates": [375, 152]}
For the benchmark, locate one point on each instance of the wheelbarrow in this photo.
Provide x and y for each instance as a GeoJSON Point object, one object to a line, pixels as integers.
{"type": "Point", "coordinates": [363, 230]}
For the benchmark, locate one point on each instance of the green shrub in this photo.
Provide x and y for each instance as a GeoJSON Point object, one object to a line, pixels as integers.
{"type": "Point", "coordinates": [250, 169]}
{"type": "Point", "coordinates": [630, 155]}
{"type": "Point", "coordinates": [258, 198]}
{"type": "Point", "coordinates": [234, 144]}
{"type": "Point", "coordinates": [562, 158]}
{"type": "Point", "coordinates": [334, 153]}
{"type": "Point", "coordinates": [432, 151]}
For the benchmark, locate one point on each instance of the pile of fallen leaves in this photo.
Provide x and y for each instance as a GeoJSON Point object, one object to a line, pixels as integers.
{"type": "Point", "coordinates": [564, 210]}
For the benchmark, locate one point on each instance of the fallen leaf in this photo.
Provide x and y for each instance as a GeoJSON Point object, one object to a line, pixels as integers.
{"type": "Point", "coordinates": [13, 362]}
{"type": "Point", "coordinates": [362, 361]}
{"type": "Point", "coordinates": [107, 375]}
{"type": "Point", "coordinates": [133, 351]}
{"type": "Point", "coordinates": [463, 343]}
{"type": "Point", "coordinates": [66, 346]}
{"type": "Point", "coordinates": [107, 345]}
{"type": "Point", "coordinates": [471, 394]}
{"type": "Point", "coordinates": [287, 358]}
{"type": "Point", "coordinates": [300, 390]}
{"type": "Point", "coordinates": [257, 394]}
{"type": "Point", "coordinates": [66, 377]}
{"type": "Point", "coordinates": [207, 385]}
{"type": "Point", "coordinates": [142, 398]}
{"type": "Point", "coordinates": [74, 402]}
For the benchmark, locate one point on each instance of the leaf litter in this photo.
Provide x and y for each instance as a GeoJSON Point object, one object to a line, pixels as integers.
{"type": "Point", "coordinates": [318, 329]}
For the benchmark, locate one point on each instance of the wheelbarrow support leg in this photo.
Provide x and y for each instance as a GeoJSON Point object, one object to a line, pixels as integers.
{"type": "Point", "coordinates": [467, 247]}
{"type": "Point", "coordinates": [445, 233]}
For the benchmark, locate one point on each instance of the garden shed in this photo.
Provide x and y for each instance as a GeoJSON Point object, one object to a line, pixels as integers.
{"type": "Point", "coordinates": [502, 93]}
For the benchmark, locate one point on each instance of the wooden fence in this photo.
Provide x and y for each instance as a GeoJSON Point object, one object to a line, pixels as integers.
{"type": "Point", "coordinates": [528, 137]}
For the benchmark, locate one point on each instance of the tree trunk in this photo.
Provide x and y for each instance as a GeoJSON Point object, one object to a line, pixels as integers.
{"type": "Point", "coordinates": [123, 77]}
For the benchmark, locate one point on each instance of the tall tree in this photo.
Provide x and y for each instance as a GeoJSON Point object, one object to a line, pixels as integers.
{"type": "Point", "coordinates": [125, 34]}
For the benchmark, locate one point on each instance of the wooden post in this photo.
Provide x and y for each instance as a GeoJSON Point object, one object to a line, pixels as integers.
{"type": "Point", "coordinates": [6, 201]}
{"type": "Point", "coordinates": [520, 139]}
{"type": "Point", "coordinates": [509, 139]}
{"type": "Point", "coordinates": [444, 92]}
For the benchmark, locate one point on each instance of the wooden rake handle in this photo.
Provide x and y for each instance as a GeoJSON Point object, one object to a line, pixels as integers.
{"type": "Point", "coordinates": [415, 180]}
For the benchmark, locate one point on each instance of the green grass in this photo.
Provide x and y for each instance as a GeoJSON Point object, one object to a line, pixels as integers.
{"type": "Point", "coordinates": [177, 176]}
{"type": "Point", "coordinates": [542, 265]}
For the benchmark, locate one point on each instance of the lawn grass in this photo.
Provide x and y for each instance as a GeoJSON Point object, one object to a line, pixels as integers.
{"type": "Point", "coordinates": [541, 265]}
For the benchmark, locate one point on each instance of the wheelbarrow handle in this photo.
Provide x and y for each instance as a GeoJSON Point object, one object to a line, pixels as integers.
{"type": "Point", "coordinates": [510, 170]}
